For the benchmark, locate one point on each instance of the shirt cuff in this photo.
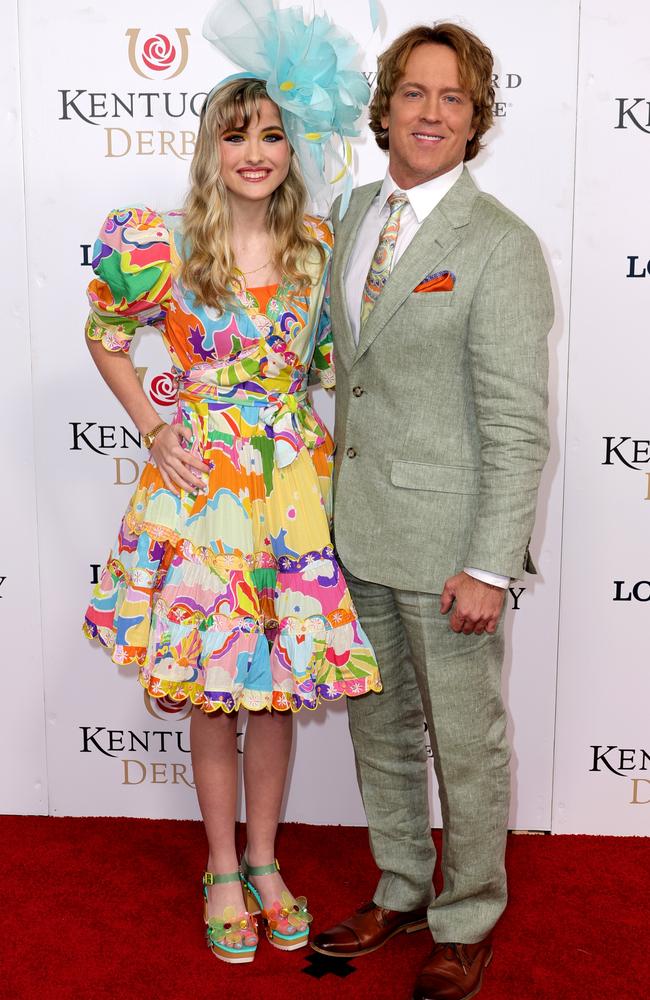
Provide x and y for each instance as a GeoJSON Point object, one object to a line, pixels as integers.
{"type": "Point", "coordinates": [485, 577]}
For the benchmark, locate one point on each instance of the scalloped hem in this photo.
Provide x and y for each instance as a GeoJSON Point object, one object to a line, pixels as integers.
{"type": "Point", "coordinates": [114, 337]}
{"type": "Point", "coordinates": [254, 701]}
{"type": "Point", "coordinates": [213, 701]}
{"type": "Point", "coordinates": [121, 655]}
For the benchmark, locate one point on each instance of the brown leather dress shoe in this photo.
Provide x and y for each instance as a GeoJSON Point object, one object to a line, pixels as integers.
{"type": "Point", "coordinates": [368, 929]}
{"type": "Point", "coordinates": [453, 971]}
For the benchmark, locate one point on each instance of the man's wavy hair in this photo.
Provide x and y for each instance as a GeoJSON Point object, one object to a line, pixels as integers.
{"type": "Point", "coordinates": [475, 68]}
{"type": "Point", "coordinates": [209, 270]}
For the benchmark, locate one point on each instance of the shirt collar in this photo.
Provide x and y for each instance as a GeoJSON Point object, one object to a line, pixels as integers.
{"type": "Point", "coordinates": [423, 198]}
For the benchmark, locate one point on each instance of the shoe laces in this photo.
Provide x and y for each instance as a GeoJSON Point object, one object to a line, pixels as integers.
{"type": "Point", "coordinates": [456, 951]}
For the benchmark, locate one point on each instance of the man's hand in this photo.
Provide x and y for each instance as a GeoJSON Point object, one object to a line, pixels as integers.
{"type": "Point", "coordinates": [477, 605]}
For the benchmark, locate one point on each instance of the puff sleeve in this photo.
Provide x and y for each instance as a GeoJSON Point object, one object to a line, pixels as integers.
{"type": "Point", "coordinates": [132, 283]}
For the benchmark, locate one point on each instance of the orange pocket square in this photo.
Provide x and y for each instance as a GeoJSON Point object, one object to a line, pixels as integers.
{"type": "Point", "coordinates": [443, 281]}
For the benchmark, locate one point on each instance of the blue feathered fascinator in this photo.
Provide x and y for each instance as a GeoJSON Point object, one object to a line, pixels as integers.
{"type": "Point", "coordinates": [309, 71]}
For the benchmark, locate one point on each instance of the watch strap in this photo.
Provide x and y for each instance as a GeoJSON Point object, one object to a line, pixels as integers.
{"type": "Point", "coordinates": [149, 438]}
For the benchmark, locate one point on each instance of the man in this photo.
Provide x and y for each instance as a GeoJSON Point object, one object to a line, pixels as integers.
{"type": "Point", "coordinates": [441, 309]}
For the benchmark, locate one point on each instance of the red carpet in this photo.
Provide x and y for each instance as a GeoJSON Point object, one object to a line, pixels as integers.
{"type": "Point", "coordinates": [105, 909]}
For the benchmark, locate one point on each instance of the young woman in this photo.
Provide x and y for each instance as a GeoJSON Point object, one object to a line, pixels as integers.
{"type": "Point", "coordinates": [223, 586]}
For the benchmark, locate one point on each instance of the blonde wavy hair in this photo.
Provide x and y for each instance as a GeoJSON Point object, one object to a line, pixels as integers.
{"type": "Point", "coordinates": [208, 270]}
{"type": "Point", "coordinates": [475, 68]}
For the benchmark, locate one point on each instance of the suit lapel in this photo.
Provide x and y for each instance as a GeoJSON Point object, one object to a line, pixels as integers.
{"type": "Point", "coordinates": [345, 236]}
{"type": "Point", "coordinates": [436, 237]}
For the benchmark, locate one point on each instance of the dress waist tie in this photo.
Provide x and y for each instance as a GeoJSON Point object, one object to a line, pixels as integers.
{"type": "Point", "coordinates": [287, 417]}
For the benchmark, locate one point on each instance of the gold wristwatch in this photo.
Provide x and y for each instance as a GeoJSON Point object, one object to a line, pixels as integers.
{"type": "Point", "coordinates": [149, 438]}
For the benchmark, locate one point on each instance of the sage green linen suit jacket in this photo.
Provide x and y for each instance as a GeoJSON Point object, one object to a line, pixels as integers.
{"type": "Point", "coordinates": [441, 423]}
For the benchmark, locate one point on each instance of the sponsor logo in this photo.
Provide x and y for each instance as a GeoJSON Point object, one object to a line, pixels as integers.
{"type": "Point", "coordinates": [516, 596]}
{"type": "Point", "coordinates": [156, 772]}
{"type": "Point", "coordinates": [110, 742]}
{"type": "Point", "coordinates": [157, 56]}
{"type": "Point", "coordinates": [106, 439]}
{"type": "Point", "coordinates": [101, 438]}
{"type": "Point", "coordinates": [639, 591]}
{"type": "Point", "coordinates": [500, 82]}
{"type": "Point", "coordinates": [132, 747]}
{"type": "Point", "coordinates": [633, 111]}
{"type": "Point", "coordinates": [506, 81]}
{"type": "Point", "coordinates": [632, 453]}
{"type": "Point", "coordinates": [114, 743]}
{"type": "Point", "coordinates": [636, 270]}
{"type": "Point", "coordinates": [163, 389]}
{"type": "Point", "coordinates": [623, 762]}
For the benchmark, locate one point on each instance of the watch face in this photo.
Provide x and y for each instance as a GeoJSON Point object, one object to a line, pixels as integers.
{"type": "Point", "coordinates": [149, 438]}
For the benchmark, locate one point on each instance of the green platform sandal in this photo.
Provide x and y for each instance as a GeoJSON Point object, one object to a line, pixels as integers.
{"type": "Point", "coordinates": [232, 937]}
{"type": "Point", "coordinates": [287, 920]}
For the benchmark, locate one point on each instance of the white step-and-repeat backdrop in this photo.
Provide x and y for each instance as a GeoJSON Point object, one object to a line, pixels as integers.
{"type": "Point", "coordinates": [99, 106]}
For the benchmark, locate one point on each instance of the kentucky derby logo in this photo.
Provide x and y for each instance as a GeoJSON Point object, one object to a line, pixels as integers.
{"type": "Point", "coordinates": [158, 57]}
{"type": "Point", "coordinates": [620, 761]}
{"type": "Point", "coordinates": [162, 708]}
{"type": "Point", "coordinates": [632, 453]}
{"type": "Point", "coordinates": [164, 389]}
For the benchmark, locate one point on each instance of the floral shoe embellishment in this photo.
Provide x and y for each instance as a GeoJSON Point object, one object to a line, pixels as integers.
{"type": "Point", "coordinates": [232, 929]}
{"type": "Point", "coordinates": [288, 916]}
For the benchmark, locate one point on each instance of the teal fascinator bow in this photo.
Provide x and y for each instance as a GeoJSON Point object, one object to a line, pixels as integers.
{"type": "Point", "coordinates": [309, 72]}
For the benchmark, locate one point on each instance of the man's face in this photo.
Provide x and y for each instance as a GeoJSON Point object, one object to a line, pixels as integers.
{"type": "Point", "coordinates": [429, 118]}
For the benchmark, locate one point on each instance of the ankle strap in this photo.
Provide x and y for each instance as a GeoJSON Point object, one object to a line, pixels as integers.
{"type": "Point", "coordinates": [259, 869]}
{"type": "Point", "coordinates": [212, 878]}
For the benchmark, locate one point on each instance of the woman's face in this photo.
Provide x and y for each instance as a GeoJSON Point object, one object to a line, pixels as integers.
{"type": "Point", "coordinates": [255, 160]}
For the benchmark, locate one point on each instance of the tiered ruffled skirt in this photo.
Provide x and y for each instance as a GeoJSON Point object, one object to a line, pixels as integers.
{"type": "Point", "coordinates": [234, 598]}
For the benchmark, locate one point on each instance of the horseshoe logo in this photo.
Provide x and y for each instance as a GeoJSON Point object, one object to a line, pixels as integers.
{"type": "Point", "coordinates": [158, 53]}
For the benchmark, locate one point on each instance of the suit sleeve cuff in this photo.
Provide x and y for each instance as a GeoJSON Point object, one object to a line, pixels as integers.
{"type": "Point", "coordinates": [493, 578]}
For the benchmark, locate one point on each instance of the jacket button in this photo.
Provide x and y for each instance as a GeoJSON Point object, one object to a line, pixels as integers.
{"type": "Point", "coordinates": [351, 453]}
{"type": "Point", "coordinates": [357, 391]}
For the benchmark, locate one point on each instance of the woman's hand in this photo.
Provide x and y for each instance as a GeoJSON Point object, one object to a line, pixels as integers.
{"type": "Point", "coordinates": [178, 467]}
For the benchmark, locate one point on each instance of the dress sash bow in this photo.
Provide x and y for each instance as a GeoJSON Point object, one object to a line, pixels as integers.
{"type": "Point", "coordinates": [292, 423]}
{"type": "Point", "coordinates": [287, 417]}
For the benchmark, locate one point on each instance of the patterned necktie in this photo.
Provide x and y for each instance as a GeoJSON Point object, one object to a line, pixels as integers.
{"type": "Point", "coordinates": [383, 256]}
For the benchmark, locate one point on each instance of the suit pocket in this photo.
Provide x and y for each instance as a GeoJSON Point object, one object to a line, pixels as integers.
{"type": "Point", "coordinates": [430, 300]}
{"type": "Point", "coordinates": [438, 478]}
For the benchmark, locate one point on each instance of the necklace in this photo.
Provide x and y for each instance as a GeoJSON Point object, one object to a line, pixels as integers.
{"type": "Point", "coordinates": [254, 270]}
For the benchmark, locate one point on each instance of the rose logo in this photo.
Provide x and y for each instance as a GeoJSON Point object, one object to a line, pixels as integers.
{"type": "Point", "coordinates": [158, 54]}
{"type": "Point", "coordinates": [163, 389]}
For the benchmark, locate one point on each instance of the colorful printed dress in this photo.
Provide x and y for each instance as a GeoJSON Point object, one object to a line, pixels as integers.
{"type": "Point", "coordinates": [233, 597]}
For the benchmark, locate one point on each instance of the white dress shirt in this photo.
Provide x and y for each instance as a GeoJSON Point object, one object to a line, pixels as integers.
{"type": "Point", "coordinates": [422, 199]}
